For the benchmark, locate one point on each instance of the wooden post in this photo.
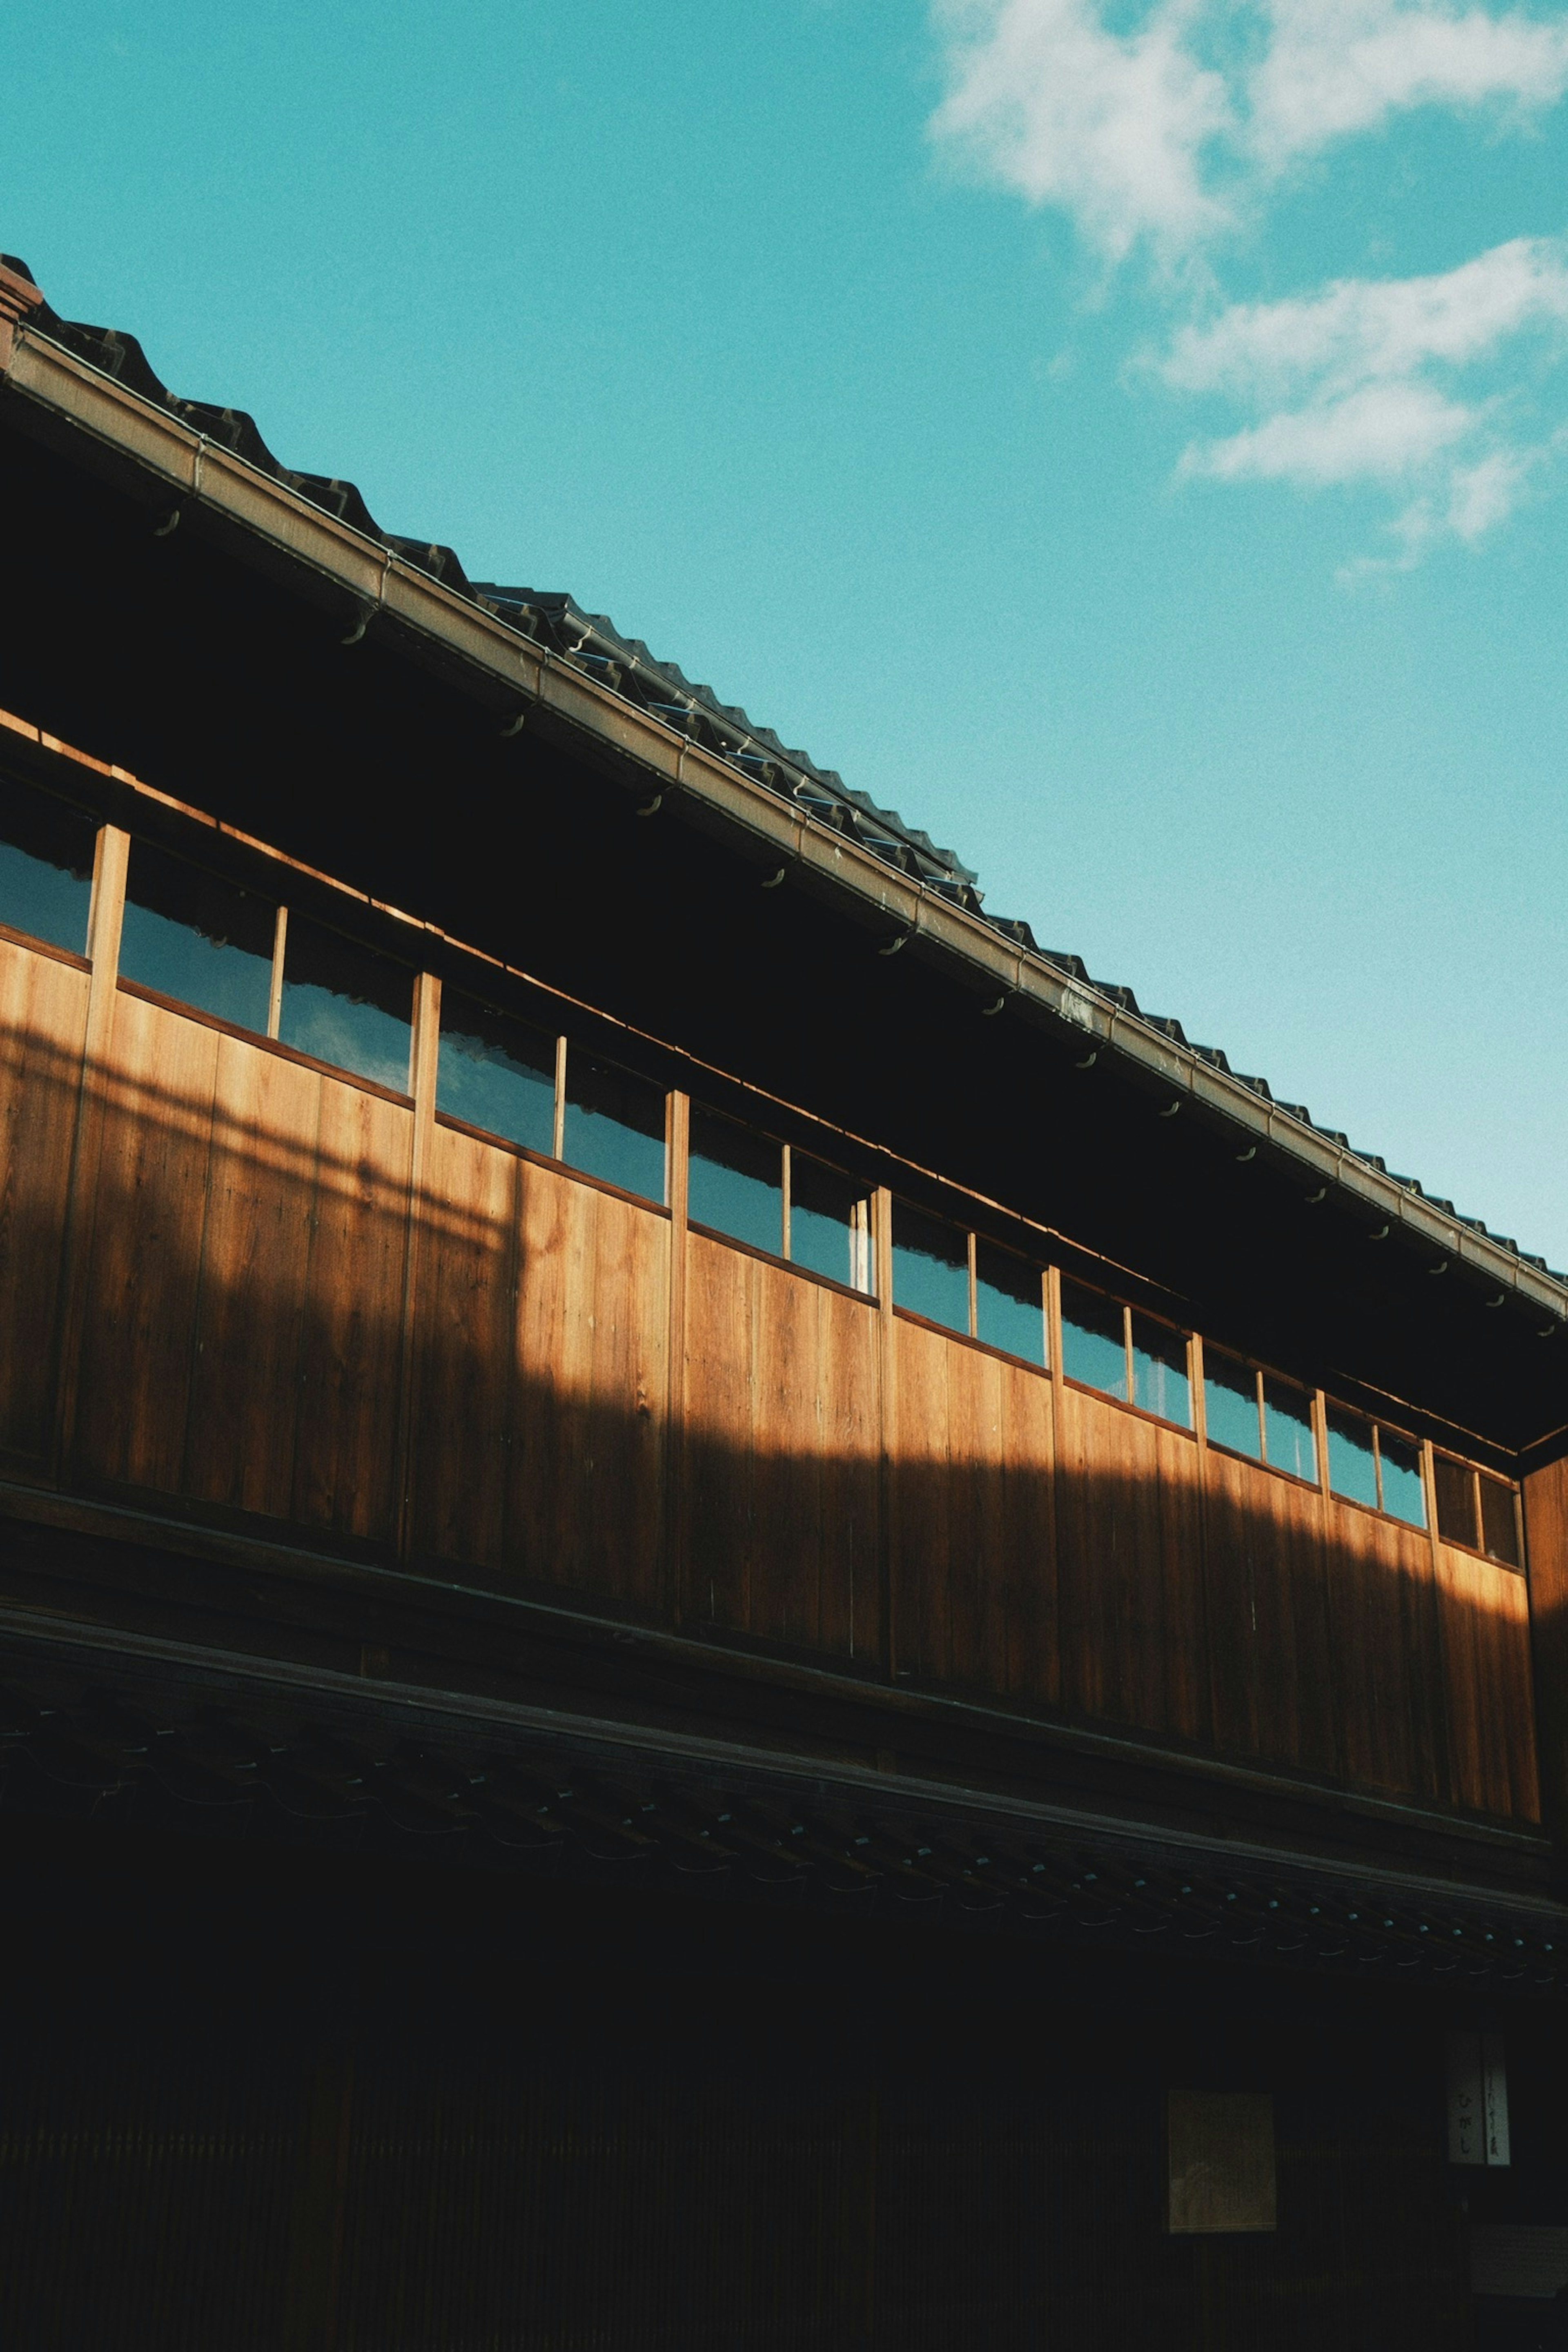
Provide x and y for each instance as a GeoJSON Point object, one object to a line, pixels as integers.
{"type": "Point", "coordinates": [1545, 1497]}
{"type": "Point", "coordinates": [423, 1052]}
{"type": "Point", "coordinates": [887, 1422]}
{"type": "Point", "coordinates": [110, 862]}
{"type": "Point", "coordinates": [678, 1131]}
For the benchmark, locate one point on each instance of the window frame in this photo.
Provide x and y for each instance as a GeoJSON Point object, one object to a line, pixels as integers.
{"type": "Point", "coordinates": [1191, 1340]}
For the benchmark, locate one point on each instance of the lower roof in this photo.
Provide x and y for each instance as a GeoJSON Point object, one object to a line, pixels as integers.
{"type": "Point", "coordinates": [122, 1728]}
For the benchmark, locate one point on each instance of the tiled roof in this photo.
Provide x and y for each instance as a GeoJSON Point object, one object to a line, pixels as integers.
{"type": "Point", "coordinates": [241, 1749]}
{"type": "Point", "coordinates": [552, 619]}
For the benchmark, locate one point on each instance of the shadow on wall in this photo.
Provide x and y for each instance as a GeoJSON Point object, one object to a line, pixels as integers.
{"type": "Point", "coordinates": [525, 1381]}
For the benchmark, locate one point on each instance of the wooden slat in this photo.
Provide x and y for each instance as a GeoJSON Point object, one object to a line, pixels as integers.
{"type": "Point", "coordinates": [1131, 1600]}
{"type": "Point", "coordinates": [972, 1536]}
{"type": "Point", "coordinates": [144, 1269]}
{"type": "Point", "coordinates": [466, 1330]}
{"type": "Point", "coordinates": [1385, 1652]}
{"type": "Point", "coordinates": [245, 1402]}
{"type": "Point", "coordinates": [781, 1504]}
{"type": "Point", "coordinates": [1485, 1619]}
{"type": "Point", "coordinates": [1028, 1534]}
{"type": "Point", "coordinates": [586, 1467]}
{"type": "Point", "coordinates": [43, 1025]}
{"type": "Point", "coordinates": [346, 1472]}
{"type": "Point", "coordinates": [1267, 1616]}
{"type": "Point", "coordinates": [1546, 1552]}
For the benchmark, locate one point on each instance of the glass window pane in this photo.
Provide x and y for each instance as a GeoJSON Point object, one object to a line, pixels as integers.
{"type": "Point", "coordinates": [346, 1004]}
{"type": "Point", "coordinates": [1456, 1485]}
{"type": "Point", "coordinates": [496, 1073]}
{"type": "Point", "coordinates": [1288, 1440]}
{"type": "Point", "coordinates": [46, 866]}
{"type": "Point", "coordinates": [1230, 1403]}
{"type": "Point", "coordinates": [931, 1267]}
{"type": "Point", "coordinates": [1093, 1349]}
{"type": "Point", "coordinates": [1353, 1470]}
{"type": "Point", "coordinates": [829, 1222]}
{"type": "Point", "coordinates": [1159, 1382]}
{"type": "Point", "coordinates": [1403, 1489]}
{"type": "Point", "coordinates": [735, 1180]}
{"type": "Point", "coordinates": [1499, 1527]}
{"type": "Point", "coordinates": [615, 1126]}
{"type": "Point", "coordinates": [1009, 1302]}
{"type": "Point", "coordinates": [194, 936]}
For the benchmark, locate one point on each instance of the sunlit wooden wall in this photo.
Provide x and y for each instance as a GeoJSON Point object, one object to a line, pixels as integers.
{"type": "Point", "coordinates": [237, 1285]}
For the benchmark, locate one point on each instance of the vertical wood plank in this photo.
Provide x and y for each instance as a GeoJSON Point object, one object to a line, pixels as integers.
{"type": "Point", "coordinates": [585, 1469]}
{"type": "Point", "coordinates": [43, 1032]}
{"type": "Point", "coordinates": [345, 1475]}
{"type": "Point", "coordinates": [1273, 1695]}
{"type": "Point", "coordinates": [465, 1329]}
{"type": "Point", "coordinates": [144, 1278]}
{"type": "Point", "coordinates": [1486, 1661]}
{"type": "Point", "coordinates": [255, 1253]}
{"type": "Point", "coordinates": [1545, 1493]}
{"type": "Point", "coordinates": [110, 860]}
{"type": "Point", "coordinates": [423, 1058]}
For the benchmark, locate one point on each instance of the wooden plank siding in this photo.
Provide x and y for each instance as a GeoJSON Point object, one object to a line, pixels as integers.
{"type": "Point", "coordinates": [1130, 1565]}
{"type": "Point", "coordinates": [1269, 1627]}
{"type": "Point", "coordinates": [1484, 1617]}
{"type": "Point", "coordinates": [972, 1540]}
{"type": "Point", "coordinates": [43, 1031]}
{"type": "Point", "coordinates": [836, 1479]}
{"type": "Point", "coordinates": [783, 1516]}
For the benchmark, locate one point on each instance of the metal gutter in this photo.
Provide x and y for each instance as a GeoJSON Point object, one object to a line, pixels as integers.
{"type": "Point", "coordinates": [195, 470]}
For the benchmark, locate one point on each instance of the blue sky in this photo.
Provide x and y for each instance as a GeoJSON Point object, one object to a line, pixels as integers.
{"type": "Point", "coordinates": [1129, 440]}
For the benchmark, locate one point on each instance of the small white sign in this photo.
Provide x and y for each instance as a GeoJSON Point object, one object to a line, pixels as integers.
{"type": "Point", "coordinates": [1466, 2100]}
{"type": "Point", "coordinates": [1478, 2099]}
{"type": "Point", "coordinates": [1494, 2087]}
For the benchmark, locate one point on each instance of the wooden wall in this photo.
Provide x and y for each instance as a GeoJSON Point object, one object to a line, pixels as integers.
{"type": "Point", "coordinates": [237, 1283]}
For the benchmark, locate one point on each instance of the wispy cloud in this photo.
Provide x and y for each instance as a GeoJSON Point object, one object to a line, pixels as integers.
{"type": "Point", "coordinates": [1168, 131]}
{"type": "Point", "coordinates": [1371, 380]}
{"type": "Point", "coordinates": [1329, 68]}
{"type": "Point", "coordinates": [1111, 127]}
{"type": "Point", "coordinates": [1172, 129]}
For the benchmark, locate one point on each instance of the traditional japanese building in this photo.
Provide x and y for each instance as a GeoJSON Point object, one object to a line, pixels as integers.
{"type": "Point", "coordinates": [730, 1614]}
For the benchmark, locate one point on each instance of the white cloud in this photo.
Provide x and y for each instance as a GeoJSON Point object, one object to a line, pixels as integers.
{"type": "Point", "coordinates": [1334, 67]}
{"type": "Point", "coordinates": [1381, 433]}
{"type": "Point", "coordinates": [1109, 127]}
{"type": "Point", "coordinates": [1367, 383]}
{"type": "Point", "coordinates": [1365, 331]}
{"type": "Point", "coordinates": [1174, 128]}
{"type": "Point", "coordinates": [1164, 125]}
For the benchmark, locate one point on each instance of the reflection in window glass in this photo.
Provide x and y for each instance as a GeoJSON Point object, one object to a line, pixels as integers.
{"type": "Point", "coordinates": [1500, 1526]}
{"type": "Point", "coordinates": [194, 936]}
{"type": "Point", "coordinates": [1403, 1490]}
{"type": "Point", "coordinates": [496, 1073]}
{"type": "Point", "coordinates": [1009, 1303]}
{"type": "Point", "coordinates": [735, 1180]}
{"type": "Point", "coordinates": [1230, 1403]}
{"type": "Point", "coordinates": [931, 1267]}
{"type": "Point", "coordinates": [615, 1126]}
{"type": "Point", "coordinates": [346, 1004]}
{"type": "Point", "coordinates": [1455, 1486]}
{"type": "Point", "coordinates": [46, 866]}
{"type": "Point", "coordinates": [1287, 1438]}
{"type": "Point", "coordinates": [1094, 1346]}
{"type": "Point", "coordinates": [1160, 1371]}
{"type": "Point", "coordinates": [829, 1222]}
{"type": "Point", "coordinates": [1352, 1468]}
